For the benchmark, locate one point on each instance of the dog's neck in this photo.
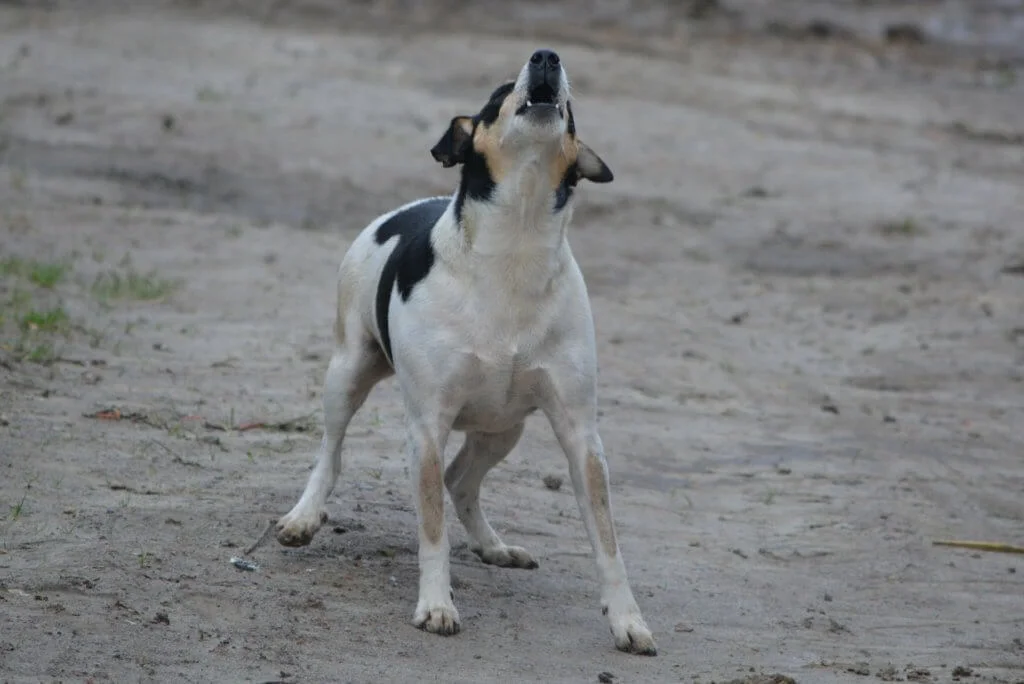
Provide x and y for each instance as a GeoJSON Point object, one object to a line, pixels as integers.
{"type": "Point", "coordinates": [519, 219]}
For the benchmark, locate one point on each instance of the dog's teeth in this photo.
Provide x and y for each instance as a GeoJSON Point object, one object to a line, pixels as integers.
{"type": "Point", "coordinates": [529, 103]}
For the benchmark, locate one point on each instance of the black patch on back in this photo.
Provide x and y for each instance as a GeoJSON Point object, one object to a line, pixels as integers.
{"type": "Point", "coordinates": [564, 190]}
{"type": "Point", "coordinates": [411, 259]}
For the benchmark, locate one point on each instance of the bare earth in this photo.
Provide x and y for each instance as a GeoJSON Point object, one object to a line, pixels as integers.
{"type": "Point", "coordinates": [810, 311]}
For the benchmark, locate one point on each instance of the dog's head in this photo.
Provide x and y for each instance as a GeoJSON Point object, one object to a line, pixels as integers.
{"type": "Point", "coordinates": [526, 125]}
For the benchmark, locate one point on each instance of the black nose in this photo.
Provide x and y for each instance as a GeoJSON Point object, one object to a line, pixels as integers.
{"type": "Point", "coordinates": [546, 59]}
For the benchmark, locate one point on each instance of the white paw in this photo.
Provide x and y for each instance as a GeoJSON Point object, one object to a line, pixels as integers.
{"type": "Point", "coordinates": [632, 634]}
{"type": "Point", "coordinates": [298, 527]}
{"type": "Point", "coordinates": [507, 557]}
{"type": "Point", "coordinates": [437, 618]}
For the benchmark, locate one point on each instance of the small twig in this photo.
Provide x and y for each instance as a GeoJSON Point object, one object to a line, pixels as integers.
{"type": "Point", "coordinates": [995, 547]}
{"type": "Point", "coordinates": [176, 458]}
{"type": "Point", "coordinates": [262, 540]}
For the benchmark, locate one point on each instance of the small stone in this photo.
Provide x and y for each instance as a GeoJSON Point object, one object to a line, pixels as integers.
{"type": "Point", "coordinates": [859, 669]}
{"type": "Point", "coordinates": [552, 482]}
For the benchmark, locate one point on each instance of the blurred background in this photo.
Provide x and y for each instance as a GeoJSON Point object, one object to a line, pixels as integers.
{"type": "Point", "coordinates": [808, 285]}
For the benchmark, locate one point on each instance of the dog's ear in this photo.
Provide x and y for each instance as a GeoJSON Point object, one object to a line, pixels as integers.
{"type": "Point", "coordinates": [591, 166]}
{"type": "Point", "coordinates": [451, 149]}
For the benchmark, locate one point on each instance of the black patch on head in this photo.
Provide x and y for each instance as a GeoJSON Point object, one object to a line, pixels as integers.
{"type": "Point", "coordinates": [476, 182]}
{"type": "Point", "coordinates": [569, 180]}
{"type": "Point", "coordinates": [411, 259]}
{"type": "Point", "coordinates": [489, 114]}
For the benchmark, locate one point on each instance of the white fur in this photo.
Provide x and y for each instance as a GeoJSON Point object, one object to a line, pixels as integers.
{"type": "Point", "coordinates": [500, 327]}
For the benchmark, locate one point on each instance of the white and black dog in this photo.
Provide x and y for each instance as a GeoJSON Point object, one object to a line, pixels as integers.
{"type": "Point", "coordinates": [476, 303]}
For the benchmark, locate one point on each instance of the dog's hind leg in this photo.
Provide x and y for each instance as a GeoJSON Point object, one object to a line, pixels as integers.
{"type": "Point", "coordinates": [478, 455]}
{"type": "Point", "coordinates": [353, 371]}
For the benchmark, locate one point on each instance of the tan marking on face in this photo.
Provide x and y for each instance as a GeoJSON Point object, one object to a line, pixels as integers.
{"type": "Point", "coordinates": [565, 158]}
{"type": "Point", "coordinates": [487, 142]}
{"type": "Point", "coordinates": [597, 491]}
{"type": "Point", "coordinates": [432, 496]}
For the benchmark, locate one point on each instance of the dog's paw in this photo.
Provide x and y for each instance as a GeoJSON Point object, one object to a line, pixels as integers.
{"type": "Point", "coordinates": [440, 618]}
{"type": "Point", "coordinates": [507, 557]}
{"type": "Point", "coordinates": [632, 635]}
{"type": "Point", "coordinates": [297, 529]}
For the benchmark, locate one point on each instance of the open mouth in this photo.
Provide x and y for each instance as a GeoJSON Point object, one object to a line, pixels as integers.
{"type": "Point", "coordinates": [541, 97]}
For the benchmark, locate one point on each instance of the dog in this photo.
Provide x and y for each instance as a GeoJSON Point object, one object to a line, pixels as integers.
{"type": "Point", "coordinates": [478, 307]}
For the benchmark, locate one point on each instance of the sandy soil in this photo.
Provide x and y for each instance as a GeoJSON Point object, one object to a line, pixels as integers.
{"type": "Point", "coordinates": [808, 293]}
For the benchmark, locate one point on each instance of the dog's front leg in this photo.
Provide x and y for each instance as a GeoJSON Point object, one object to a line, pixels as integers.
{"type": "Point", "coordinates": [573, 418]}
{"type": "Point", "coordinates": [435, 609]}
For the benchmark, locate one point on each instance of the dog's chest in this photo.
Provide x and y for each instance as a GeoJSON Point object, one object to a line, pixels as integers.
{"type": "Point", "coordinates": [500, 387]}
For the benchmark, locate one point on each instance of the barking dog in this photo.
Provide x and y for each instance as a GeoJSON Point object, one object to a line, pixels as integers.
{"type": "Point", "coordinates": [476, 304]}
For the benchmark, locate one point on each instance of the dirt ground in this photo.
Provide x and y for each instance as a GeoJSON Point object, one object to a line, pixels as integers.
{"type": "Point", "coordinates": [807, 283]}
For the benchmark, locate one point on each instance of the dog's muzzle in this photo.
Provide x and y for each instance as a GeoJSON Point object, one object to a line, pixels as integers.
{"type": "Point", "coordinates": [544, 73]}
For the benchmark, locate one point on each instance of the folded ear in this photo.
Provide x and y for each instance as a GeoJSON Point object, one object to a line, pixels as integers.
{"type": "Point", "coordinates": [591, 166]}
{"type": "Point", "coordinates": [451, 149]}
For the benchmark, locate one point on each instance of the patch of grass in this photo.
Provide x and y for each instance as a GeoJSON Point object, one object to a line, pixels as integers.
{"type": "Point", "coordinates": [18, 301]}
{"type": "Point", "coordinates": [42, 353]}
{"type": "Point", "coordinates": [906, 227]}
{"type": "Point", "coordinates": [132, 285]}
{"type": "Point", "coordinates": [12, 266]}
{"type": "Point", "coordinates": [208, 94]}
{"type": "Point", "coordinates": [42, 273]}
{"type": "Point", "coordinates": [375, 420]}
{"type": "Point", "coordinates": [18, 508]}
{"type": "Point", "coordinates": [50, 320]}
{"type": "Point", "coordinates": [46, 274]}
{"type": "Point", "coordinates": [27, 329]}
